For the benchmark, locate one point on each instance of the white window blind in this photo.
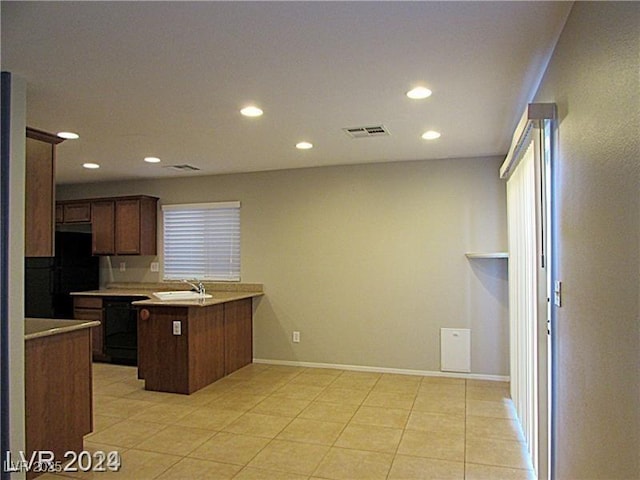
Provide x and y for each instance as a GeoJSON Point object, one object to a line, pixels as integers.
{"type": "Point", "coordinates": [523, 296]}
{"type": "Point", "coordinates": [527, 169]}
{"type": "Point", "coordinates": [202, 241]}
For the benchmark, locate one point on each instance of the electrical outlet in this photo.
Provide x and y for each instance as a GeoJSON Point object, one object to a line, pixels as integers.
{"type": "Point", "coordinates": [177, 328]}
{"type": "Point", "coordinates": [123, 266]}
{"type": "Point", "coordinates": [154, 266]}
{"type": "Point", "coordinates": [296, 337]}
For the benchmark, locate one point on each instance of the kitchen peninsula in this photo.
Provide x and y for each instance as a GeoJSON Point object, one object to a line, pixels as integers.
{"type": "Point", "coordinates": [184, 345]}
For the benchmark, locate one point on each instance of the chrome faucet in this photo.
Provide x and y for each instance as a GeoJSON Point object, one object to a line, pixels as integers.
{"type": "Point", "coordinates": [196, 288]}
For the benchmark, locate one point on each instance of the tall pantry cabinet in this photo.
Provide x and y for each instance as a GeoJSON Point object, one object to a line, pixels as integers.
{"type": "Point", "coordinates": [40, 193]}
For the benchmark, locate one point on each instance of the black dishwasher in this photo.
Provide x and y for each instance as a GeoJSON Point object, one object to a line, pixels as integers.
{"type": "Point", "coordinates": [121, 330]}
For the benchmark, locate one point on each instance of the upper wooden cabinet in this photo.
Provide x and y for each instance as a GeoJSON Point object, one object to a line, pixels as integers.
{"type": "Point", "coordinates": [135, 232]}
{"type": "Point", "coordinates": [73, 212]}
{"type": "Point", "coordinates": [119, 225]}
{"type": "Point", "coordinates": [103, 227]}
{"type": "Point", "coordinates": [40, 193]}
{"type": "Point", "coordinates": [124, 226]}
{"type": "Point", "coordinates": [59, 213]}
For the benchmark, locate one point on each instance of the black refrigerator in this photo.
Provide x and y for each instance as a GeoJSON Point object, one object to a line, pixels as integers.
{"type": "Point", "coordinates": [48, 280]}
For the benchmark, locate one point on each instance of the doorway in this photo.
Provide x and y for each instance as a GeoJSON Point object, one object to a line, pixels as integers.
{"type": "Point", "coordinates": [528, 170]}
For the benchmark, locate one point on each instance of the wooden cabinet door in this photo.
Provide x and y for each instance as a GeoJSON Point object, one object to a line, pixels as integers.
{"type": "Point", "coordinates": [163, 358]}
{"type": "Point", "coordinates": [148, 225]}
{"type": "Point", "coordinates": [76, 212]}
{"type": "Point", "coordinates": [59, 213]}
{"type": "Point", "coordinates": [238, 334]}
{"type": "Point", "coordinates": [102, 227]}
{"type": "Point", "coordinates": [128, 227]}
{"type": "Point", "coordinates": [39, 199]}
{"type": "Point", "coordinates": [90, 308]}
{"type": "Point", "coordinates": [57, 395]}
{"type": "Point", "coordinates": [97, 333]}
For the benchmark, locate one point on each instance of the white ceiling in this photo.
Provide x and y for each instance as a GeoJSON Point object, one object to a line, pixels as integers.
{"type": "Point", "coordinates": [168, 79]}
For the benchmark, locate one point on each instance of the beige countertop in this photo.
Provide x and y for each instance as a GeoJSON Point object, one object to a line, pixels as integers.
{"type": "Point", "coordinates": [116, 292]}
{"type": "Point", "coordinates": [216, 298]}
{"type": "Point", "coordinates": [220, 293]}
{"type": "Point", "coordinates": [45, 327]}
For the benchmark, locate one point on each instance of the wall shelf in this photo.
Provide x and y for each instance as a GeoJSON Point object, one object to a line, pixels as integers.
{"type": "Point", "coordinates": [487, 255]}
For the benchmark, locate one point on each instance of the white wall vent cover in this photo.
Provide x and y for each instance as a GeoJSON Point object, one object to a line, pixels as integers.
{"type": "Point", "coordinates": [183, 168]}
{"type": "Point", "coordinates": [366, 132]}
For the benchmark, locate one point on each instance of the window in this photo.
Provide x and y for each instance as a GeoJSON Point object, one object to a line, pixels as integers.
{"type": "Point", "coordinates": [202, 241]}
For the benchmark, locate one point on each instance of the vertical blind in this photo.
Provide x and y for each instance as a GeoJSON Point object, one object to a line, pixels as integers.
{"type": "Point", "coordinates": [202, 241]}
{"type": "Point", "coordinates": [523, 295]}
{"type": "Point", "coordinates": [527, 169]}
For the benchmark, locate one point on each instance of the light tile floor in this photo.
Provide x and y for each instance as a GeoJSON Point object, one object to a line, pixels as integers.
{"type": "Point", "coordinates": [277, 422]}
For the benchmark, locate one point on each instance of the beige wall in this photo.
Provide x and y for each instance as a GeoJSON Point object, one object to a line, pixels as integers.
{"type": "Point", "coordinates": [367, 261]}
{"type": "Point", "coordinates": [594, 78]}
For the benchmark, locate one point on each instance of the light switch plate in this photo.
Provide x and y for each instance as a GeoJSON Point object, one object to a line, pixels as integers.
{"type": "Point", "coordinates": [177, 327]}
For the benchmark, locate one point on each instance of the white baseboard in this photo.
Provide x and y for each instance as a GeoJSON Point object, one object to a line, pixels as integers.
{"type": "Point", "coordinates": [399, 371]}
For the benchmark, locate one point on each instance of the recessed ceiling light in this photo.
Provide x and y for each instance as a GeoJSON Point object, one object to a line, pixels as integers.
{"type": "Point", "coordinates": [251, 111]}
{"type": "Point", "coordinates": [431, 135]}
{"type": "Point", "coordinates": [68, 135]}
{"type": "Point", "coordinates": [304, 145]}
{"type": "Point", "coordinates": [419, 93]}
{"type": "Point", "coordinates": [152, 159]}
{"type": "Point", "coordinates": [91, 165]}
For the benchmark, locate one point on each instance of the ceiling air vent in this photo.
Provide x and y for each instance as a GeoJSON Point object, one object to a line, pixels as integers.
{"type": "Point", "coordinates": [365, 132]}
{"type": "Point", "coordinates": [183, 168]}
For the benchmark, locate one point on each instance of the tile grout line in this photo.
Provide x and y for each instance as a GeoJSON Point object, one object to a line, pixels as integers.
{"type": "Point", "coordinates": [246, 465]}
{"type": "Point", "coordinates": [404, 429]}
{"type": "Point", "coordinates": [182, 457]}
{"type": "Point", "coordinates": [341, 431]}
{"type": "Point", "coordinates": [274, 393]}
{"type": "Point", "coordinates": [464, 450]}
{"type": "Point", "coordinates": [291, 421]}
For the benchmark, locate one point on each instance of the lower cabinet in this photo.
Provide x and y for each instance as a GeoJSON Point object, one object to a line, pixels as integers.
{"type": "Point", "coordinates": [90, 308]}
{"type": "Point", "coordinates": [58, 386]}
{"type": "Point", "coordinates": [183, 349]}
{"type": "Point", "coordinates": [238, 335]}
